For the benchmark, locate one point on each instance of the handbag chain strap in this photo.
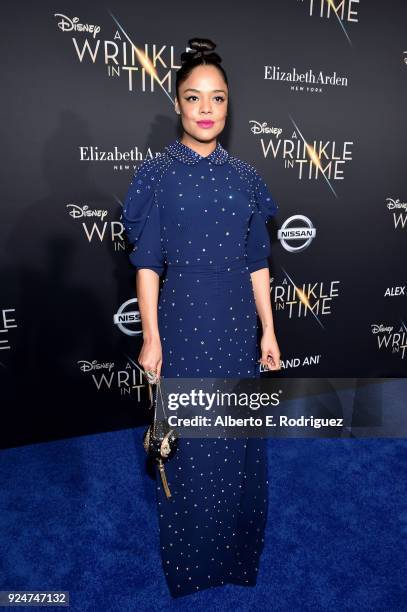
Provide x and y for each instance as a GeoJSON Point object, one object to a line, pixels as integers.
{"type": "Point", "coordinates": [153, 401]}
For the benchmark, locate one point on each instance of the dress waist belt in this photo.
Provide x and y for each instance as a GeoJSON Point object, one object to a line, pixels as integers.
{"type": "Point", "coordinates": [236, 264]}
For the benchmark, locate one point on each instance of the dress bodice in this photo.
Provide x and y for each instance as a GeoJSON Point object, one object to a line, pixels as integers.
{"type": "Point", "coordinates": [184, 208]}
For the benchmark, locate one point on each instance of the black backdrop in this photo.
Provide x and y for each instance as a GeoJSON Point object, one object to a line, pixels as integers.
{"type": "Point", "coordinates": [79, 115]}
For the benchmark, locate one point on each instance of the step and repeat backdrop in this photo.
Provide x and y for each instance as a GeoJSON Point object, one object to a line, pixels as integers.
{"type": "Point", "coordinates": [317, 105]}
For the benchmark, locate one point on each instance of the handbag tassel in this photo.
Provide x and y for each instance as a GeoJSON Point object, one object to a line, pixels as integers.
{"type": "Point", "coordinates": [164, 478]}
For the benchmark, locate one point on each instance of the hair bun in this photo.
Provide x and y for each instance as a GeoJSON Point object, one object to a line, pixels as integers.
{"type": "Point", "coordinates": [200, 48]}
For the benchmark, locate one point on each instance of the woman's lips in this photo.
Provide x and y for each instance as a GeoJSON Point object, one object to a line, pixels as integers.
{"type": "Point", "coordinates": [205, 124]}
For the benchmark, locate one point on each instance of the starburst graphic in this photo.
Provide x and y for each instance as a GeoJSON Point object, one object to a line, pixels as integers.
{"type": "Point", "coordinates": [303, 297]}
{"type": "Point", "coordinates": [314, 157]}
{"type": "Point", "coordinates": [143, 58]}
{"type": "Point", "coordinates": [334, 8]}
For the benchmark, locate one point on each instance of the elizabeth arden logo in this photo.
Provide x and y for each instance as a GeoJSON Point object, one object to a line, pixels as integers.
{"type": "Point", "coordinates": [121, 160]}
{"type": "Point", "coordinates": [305, 81]}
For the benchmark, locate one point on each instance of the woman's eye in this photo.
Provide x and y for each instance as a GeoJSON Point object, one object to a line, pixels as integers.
{"type": "Point", "coordinates": [218, 98]}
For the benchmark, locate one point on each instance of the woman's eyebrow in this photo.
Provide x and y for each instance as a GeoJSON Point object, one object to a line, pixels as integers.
{"type": "Point", "coordinates": [199, 91]}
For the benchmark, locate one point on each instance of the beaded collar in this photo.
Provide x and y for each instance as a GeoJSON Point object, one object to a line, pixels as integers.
{"type": "Point", "coordinates": [188, 156]}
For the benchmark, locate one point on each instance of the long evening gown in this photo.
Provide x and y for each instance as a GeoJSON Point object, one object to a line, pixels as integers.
{"type": "Point", "coordinates": [200, 222]}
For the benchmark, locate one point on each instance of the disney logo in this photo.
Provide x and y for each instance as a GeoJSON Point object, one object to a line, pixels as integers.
{"type": "Point", "coordinates": [88, 366]}
{"type": "Point", "coordinates": [392, 203]}
{"type": "Point", "coordinates": [77, 212]}
{"type": "Point", "coordinates": [67, 25]}
{"type": "Point", "coordinates": [262, 128]}
{"type": "Point", "coordinates": [377, 329]}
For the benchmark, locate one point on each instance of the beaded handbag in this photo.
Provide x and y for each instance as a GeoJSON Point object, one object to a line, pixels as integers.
{"type": "Point", "coordinates": [160, 441]}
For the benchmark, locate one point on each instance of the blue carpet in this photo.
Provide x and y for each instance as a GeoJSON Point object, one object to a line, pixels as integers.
{"type": "Point", "coordinates": [79, 515]}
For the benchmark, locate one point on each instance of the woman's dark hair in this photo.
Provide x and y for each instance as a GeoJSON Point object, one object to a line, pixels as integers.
{"type": "Point", "coordinates": [201, 51]}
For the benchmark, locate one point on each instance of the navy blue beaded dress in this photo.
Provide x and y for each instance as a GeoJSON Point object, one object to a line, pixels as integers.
{"type": "Point", "coordinates": [200, 223]}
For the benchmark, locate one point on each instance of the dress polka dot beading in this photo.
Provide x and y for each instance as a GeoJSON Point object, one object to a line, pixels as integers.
{"type": "Point", "coordinates": [200, 223]}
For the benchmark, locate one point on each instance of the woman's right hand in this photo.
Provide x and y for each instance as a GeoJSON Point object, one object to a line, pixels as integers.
{"type": "Point", "coordinates": [151, 357]}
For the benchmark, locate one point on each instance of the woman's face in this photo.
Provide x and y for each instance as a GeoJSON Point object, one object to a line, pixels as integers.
{"type": "Point", "coordinates": [203, 102]}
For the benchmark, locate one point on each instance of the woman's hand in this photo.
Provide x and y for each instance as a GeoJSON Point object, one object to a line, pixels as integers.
{"type": "Point", "coordinates": [151, 356]}
{"type": "Point", "coordinates": [270, 352]}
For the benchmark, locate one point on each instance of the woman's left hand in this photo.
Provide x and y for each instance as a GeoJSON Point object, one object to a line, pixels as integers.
{"type": "Point", "coordinates": [270, 352]}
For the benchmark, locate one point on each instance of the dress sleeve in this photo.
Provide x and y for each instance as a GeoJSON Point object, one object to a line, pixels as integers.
{"type": "Point", "coordinates": [141, 220]}
{"type": "Point", "coordinates": [258, 245]}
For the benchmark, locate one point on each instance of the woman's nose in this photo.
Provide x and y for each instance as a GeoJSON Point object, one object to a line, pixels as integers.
{"type": "Point", "coordinates": [206, 107]}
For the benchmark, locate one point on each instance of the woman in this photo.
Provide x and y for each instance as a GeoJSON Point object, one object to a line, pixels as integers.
{"type": "Point", "coordinates": [199, 214]}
